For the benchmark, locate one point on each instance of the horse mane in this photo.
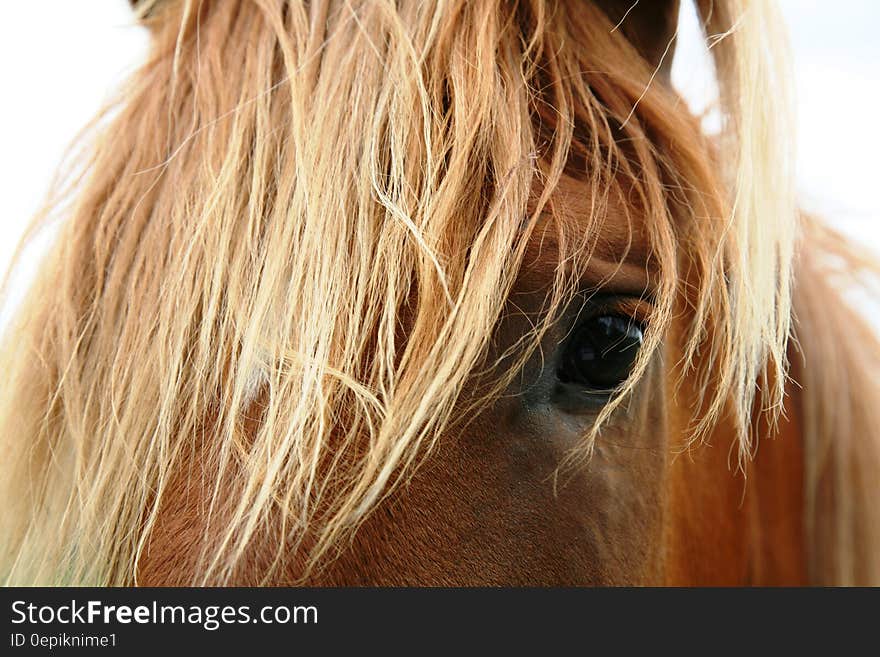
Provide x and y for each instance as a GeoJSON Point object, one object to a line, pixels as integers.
{"type": "Point", "coordinates": [838, 355]}
{"type": "Point", "coordinates": [290, 241]}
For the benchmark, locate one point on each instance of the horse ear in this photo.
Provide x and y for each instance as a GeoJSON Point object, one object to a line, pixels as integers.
{"type": "Point", "coordinates": [650, 25]}
{"type": "Point", "coordinates": [143, 8]}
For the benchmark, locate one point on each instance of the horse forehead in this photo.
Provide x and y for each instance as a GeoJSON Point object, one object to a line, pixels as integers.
{"type": "Point", "coordinates": [614, 232]}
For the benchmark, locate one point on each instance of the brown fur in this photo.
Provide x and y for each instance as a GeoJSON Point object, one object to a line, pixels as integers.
{"type": "Point", "coordinates": [483, 511]}
{"type": "Point", "coordinates": [306, 319]}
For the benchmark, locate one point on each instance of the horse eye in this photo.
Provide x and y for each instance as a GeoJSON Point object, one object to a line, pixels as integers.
{"type": "Point", "coordinates": [601, 353]}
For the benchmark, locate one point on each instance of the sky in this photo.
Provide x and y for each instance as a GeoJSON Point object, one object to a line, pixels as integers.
{"type": "Point", "coordinates": [61, 60]}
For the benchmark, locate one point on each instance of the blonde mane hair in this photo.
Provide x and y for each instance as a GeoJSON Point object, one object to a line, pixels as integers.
{"type": "Point", "coordinates": [291, 240]}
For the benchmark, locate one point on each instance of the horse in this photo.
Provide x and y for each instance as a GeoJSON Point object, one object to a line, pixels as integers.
{"type": "Point", "coordinates": [441, 294]}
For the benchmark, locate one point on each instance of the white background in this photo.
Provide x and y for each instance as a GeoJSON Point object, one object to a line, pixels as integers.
{"type": "Point", "coordinates": [60, 60]}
